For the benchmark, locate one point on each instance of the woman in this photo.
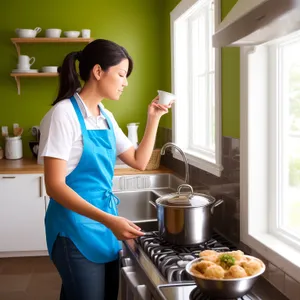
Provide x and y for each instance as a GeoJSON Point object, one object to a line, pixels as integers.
{"type": "Point", "coordinates": [79, 143]}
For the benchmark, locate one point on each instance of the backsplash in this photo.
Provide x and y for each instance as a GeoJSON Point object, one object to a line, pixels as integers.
{"type": "Point", "coordinates": [227, 187]}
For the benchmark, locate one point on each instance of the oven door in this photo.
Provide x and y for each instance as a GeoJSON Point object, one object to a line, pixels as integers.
{"type": "Point", "coordinates": [131, 286]}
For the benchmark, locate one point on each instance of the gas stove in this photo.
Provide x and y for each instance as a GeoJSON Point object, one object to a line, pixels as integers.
{"type": "Point", "coordinates": [171, 260]}
{"type": "Point", "coordinates": [155, 269]}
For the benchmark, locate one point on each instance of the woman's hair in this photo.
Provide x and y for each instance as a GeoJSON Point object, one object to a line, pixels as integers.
{"type": "Point", "coordinates": [99, 52]}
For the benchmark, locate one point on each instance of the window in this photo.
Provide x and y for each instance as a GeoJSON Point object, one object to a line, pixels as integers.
{"type": "Point", "coordinates": [285, 133]}
{"type": "Point", "coordinates": [196, 83]}
{"type": "Point", "coordinates": [270, 151]}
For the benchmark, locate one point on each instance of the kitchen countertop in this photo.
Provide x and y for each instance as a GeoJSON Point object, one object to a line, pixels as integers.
{"type": "Point", "coordinates": [20, 166]}
{"type": "Point", "coordinates": [30, 166]}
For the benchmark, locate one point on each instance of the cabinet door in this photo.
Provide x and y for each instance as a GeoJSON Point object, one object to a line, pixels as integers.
{"type": "Point", "coordinates": [22, 211]}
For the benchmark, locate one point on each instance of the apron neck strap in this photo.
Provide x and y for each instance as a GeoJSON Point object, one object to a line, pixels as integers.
{"type": "Point", "coordinates": [81, 119]}
{"type": "Point", "coordinates": [110, 126]}
{"type": "Point", "coordinates": [79, 115]}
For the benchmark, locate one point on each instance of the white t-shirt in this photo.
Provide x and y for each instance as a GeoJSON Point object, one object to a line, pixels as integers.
{"type": "Point", "coordinates": [61, 135]}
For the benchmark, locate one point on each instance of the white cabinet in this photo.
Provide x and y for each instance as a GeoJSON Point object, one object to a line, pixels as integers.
{"type": "Point", "coordinates": [22, 211]}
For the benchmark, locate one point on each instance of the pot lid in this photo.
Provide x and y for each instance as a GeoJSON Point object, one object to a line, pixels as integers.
{"type": "Point", "coordinates": [189, 199]}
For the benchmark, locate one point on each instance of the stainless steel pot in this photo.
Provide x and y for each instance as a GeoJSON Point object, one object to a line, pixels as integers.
{"type": "Point", "coordinates": [185, 218]}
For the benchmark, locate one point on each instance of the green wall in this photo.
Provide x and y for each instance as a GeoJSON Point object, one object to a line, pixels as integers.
{"type": "Point", "coordinates": [134, 24]}
{"type": "Point", "coordinates": [230, 84]}
{"type": "Point", "coordinates": [168, 6]}
{"type": "Point", "coordinates": [143, 27]}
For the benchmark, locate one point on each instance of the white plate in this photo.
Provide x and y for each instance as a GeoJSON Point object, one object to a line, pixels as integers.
{"type": "Point", "coordinates": [25, 71]}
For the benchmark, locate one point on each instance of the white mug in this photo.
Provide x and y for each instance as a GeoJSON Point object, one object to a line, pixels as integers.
{"type": "Point", "coordinates": [165, 98]}
{"type": "Point", "coordinates": [86, 33]}
{"type": "Point", "coordinates": [25, 61]}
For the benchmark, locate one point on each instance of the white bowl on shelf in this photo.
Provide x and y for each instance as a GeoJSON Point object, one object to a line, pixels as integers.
{"type": "Point", "coordinates": [53, 33]}
{"type": "Point", "coordinates": [72, 34]}
{"type": "Point", "coordinates": [49, 69]}
{"type": "Point", "coordinates": [27, 33]}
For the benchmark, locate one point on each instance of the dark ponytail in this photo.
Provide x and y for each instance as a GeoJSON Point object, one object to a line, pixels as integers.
{"type": "Point", "coordinates": [102, 52]}
{"type": "Point", "coordinates": [68, 77]}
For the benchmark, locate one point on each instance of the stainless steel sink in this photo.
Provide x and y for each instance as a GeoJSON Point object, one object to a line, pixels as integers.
{"type": "Point", "coordinates": [135, 192]}
{"type": "Point", "coordinates": [134, 205]}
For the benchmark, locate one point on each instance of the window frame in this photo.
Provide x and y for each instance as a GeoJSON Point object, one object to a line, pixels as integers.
{"type": "Point", "coordinates": [256, 155]}
{"type": "Point", "coordinates": [179, 26]}
{"type": "Point", "coordinates": [277, 138]}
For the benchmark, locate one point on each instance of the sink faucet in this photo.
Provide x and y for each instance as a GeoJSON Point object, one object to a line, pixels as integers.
{"type": "Point", "coordinates": [169, 144]}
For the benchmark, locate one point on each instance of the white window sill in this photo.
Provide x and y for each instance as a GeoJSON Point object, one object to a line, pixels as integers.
{"type": "Point", "coordinates": [204, 164]}
{"type": "Point", "coordinates": [284, 256]}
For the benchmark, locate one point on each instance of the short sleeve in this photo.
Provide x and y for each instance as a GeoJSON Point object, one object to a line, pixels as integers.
{"type": "Point", "coordinates": [57, 134]}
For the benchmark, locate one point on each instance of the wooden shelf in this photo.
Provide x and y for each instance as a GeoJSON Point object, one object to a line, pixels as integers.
{"type": "Point", "coordinates": [34, 74]}
{"type": "Point", "coordinates": [18, 75]}
{"type": "Point", "coordinates": [40, 40]}
{"type": "Point", "coordinates": [17, 41]}
{"type": "Point", "coordinates": [51, 40]}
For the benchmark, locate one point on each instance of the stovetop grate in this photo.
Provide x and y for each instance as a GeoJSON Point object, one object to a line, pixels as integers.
{"type": "Point", "coordinates": [172, 259]}
{"type": "Point", "coordinates": [196, 294]}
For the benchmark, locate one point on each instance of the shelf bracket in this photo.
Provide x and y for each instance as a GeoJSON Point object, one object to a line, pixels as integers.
{"type": "Point", "coordinates": [17, 47]}
{"type": "Point", "coordinates": [17, 79]}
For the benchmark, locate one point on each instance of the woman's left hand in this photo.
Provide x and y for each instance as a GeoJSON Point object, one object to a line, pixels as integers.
{"type": "Point", "coordinates": [158, 110]}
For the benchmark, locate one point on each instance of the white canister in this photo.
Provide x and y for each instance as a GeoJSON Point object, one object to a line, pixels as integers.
{"type": "Point", "coordinates": [13, 147]}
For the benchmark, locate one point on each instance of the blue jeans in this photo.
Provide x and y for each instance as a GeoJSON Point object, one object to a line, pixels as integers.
{"type": "Point", "coordinates": [81, 278]}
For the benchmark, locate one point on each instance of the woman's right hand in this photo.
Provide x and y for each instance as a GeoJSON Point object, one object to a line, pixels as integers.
{"type": "Point", "coordinates": [124, 229]}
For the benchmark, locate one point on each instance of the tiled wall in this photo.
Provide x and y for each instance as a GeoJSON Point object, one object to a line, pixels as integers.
{"type": "Point", "coordinates": [227, 216]}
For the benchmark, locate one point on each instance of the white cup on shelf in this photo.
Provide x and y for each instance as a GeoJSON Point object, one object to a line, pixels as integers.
{"type": "Point", "coordinates": [25, 62]}
{"type": "Point", "coordinates": [86, 33]}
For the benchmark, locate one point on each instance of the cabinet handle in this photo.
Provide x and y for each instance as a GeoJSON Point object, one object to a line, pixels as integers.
{"type": "Point", "coordinates": [41, 186]}
{"type": "Point", "coordinates": [8, 177]}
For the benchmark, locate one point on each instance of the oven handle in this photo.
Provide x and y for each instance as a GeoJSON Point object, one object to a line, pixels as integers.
{"type": "Point", "coordinates": [131, 277]}
{"type": "Point", "coordinates": [134, 284]}
{"type": "Point", "coordinates": [126, 262]}
{"type": "Point", "coordinates": [143, 292]}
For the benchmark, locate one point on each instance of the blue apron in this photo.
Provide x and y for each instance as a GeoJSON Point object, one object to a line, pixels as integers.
{"type": "Point", "coordinates": [92, 180]}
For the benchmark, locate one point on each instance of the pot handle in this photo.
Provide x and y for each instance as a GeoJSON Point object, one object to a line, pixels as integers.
{"type": "Point", "coordinates": [215, 205]}
{"type": "Point", "coordinates": [153, 204]}
{"type": "Point", "coordinates": [185, 185]}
